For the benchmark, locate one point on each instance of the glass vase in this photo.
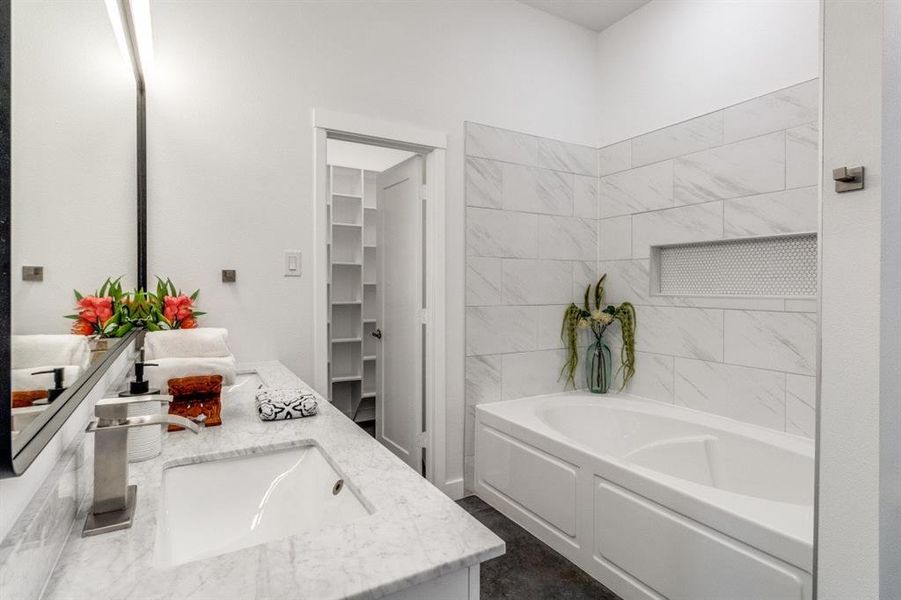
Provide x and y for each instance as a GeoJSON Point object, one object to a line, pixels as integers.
{"type": "Point", "coordinates": [598, 367]}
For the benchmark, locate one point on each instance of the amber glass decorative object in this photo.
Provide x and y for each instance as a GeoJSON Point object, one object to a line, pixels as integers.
{"type": "Point", "coordinates": [195, 396]}
{"type": "Point", "coordinates": [24, 399]}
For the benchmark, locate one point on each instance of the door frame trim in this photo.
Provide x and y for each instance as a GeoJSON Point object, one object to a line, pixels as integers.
{"type": "Point", "coordinates": [433, 146]}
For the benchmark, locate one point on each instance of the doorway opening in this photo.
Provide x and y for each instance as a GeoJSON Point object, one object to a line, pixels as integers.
{"type": "Point", "coordinates": [380, 288]}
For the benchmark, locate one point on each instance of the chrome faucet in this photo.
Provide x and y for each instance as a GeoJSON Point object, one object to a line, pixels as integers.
{"type": "Point", "coordinates": [114, 499]}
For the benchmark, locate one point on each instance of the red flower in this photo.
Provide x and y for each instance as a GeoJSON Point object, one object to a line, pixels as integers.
{"type": "Point", "coordinates": [82, 327]}
{"type": "Point", "coordinates": [177, 308]}
{"type": "Point", "coordinates": [95, 310]}
{"type": "Point", "coordinates": [189, 323]}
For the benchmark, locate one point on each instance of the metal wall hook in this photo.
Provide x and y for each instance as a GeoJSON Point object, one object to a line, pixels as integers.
{"type": "Point", "coordinates": [848, 179]}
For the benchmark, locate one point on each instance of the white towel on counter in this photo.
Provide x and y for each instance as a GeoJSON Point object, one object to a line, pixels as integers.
{"type": "Point", "coordinates": [23, 380]}
{"type": "Point", "coordinates": [278, 404]}
{"type": "Point", "coordinates": [172, 368]}
{"type": "Point", "coordinates": [203, 342]}
{"type": "Point", "coordinates": [32, 351]}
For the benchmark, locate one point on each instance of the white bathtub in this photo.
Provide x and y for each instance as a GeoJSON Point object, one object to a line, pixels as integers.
{"type": "Point", "coordinates": [653, 500]}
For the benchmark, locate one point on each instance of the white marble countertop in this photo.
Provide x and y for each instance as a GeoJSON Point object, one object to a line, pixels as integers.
{"type": "Point", "coordinates": [415, 533]}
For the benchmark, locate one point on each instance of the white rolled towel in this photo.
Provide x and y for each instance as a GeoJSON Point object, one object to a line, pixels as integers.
{"type": "Point", "coordinates": [23, 380]}
{"type": "Point", "coordinates": [172, 368]}
{"type": "Point", "coordinates": [275, 404]}
{"type": "Point", "coordinates": [202, 342]}
{"type": "Point", "coordinates": [31, 351]}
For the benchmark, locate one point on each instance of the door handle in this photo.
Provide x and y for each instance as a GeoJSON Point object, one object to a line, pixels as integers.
{"type": "Point", "coordinates": [377, 334]}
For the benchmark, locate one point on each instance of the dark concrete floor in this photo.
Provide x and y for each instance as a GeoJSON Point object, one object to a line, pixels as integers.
{"type": "Point", "coordinates": [530, 570]}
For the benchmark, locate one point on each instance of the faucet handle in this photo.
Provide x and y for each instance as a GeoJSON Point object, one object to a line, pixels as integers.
{"type": "Point", "coordinates": [113, 408]}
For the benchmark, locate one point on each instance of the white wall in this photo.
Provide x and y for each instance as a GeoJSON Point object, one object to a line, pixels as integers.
{"type": "Point", "coordinates": [73, 159]}
{"type": "Point", "coordinates": [859, 494]}
{"type": "Point", "coordinates": [230, 142]}
{"type": "Point", "coordinates": [673, 60]}
{"type": "Point", "coordinates": [890, 311]}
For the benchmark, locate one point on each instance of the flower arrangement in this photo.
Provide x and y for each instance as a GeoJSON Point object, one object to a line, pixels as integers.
{"type": "Point", "coordinates": [112, 312]}
{"type": "Point", "coordinates": [170, 309]}
{"type": "Point", "coordinates": [104, 314]}
{"type": "Point", "coordinates": [577, 318]}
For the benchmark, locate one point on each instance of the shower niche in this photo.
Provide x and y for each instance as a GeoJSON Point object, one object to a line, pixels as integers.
{"type": "Point", "coordinates": [781, 266]}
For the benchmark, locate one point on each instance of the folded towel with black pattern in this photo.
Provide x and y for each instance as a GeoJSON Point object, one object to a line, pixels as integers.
{"type": "Point", "coordinates": [277, 404]}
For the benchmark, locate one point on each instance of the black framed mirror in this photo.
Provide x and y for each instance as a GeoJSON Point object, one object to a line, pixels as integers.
{"type": "Point", "coordinates": [72, 210]}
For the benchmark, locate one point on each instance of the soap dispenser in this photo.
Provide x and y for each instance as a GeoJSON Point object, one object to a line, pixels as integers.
{"type": "Point", "coordinates": [144, 442]}
{"type": "Point", "coordinates": [57, 389]}
{"type": "Point", "coordinates": [140, 386]}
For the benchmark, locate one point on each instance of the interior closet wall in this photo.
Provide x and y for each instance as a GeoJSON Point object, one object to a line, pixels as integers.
{"type": "Point", "coordinates": [353, 276]}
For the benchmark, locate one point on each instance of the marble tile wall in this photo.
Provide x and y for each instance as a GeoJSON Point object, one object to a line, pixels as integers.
{"type": "Point", "coordinates": [531, 247]}
{"type": "Point", "coordinates": [746, 170]}
{"type": "Point", "coordinates": [545, 217]}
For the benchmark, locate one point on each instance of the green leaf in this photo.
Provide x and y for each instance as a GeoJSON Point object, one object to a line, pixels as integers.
{"type": "Point", "coordinates": [102, 291]}
{"type": "Point", "coordinates": [151, 326]}
{"type": "Point", "coordinates": [78, 296]}
{"type": "Point", "coordinates": [198, 313]}
{"type": "Point", "coordinates": [123, 330]}
{"type": "Point", "coordinates": [194, 295]}
{"type": "Point", "coordinates": [599, 292]}
{"type": "Point", "coordinates": [570, 336]}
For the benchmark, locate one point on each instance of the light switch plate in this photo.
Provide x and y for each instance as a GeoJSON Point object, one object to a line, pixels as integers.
{"type": "Point", "coordinates": [32, 273]}
{"type": "Point", "coordinates": [292, 263]}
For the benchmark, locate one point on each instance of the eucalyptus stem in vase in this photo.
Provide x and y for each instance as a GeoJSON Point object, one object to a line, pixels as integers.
{"type": "Point", "coordinates": [598, 359]}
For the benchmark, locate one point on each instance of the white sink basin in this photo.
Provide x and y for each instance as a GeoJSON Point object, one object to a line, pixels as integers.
{"type": "Point", "coordinates": [220, 506]}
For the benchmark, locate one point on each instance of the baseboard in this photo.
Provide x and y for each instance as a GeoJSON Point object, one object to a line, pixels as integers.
{"type": "Point", "coordinates": [453, 488]}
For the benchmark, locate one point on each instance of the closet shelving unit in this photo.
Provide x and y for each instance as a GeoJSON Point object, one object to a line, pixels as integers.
{"type": "Point", "coordinates": [352, 214]}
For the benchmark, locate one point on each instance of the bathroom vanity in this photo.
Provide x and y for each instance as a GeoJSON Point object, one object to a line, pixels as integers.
{"type": "Point", "coordinates": [308, 508]}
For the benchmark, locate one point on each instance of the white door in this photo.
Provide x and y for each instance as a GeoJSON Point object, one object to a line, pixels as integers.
{"type": "Point", "coordinates": [400, 294]}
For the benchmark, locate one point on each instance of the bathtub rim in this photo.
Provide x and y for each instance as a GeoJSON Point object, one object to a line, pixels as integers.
{"type": "Point", "coordinates": [790, 441]}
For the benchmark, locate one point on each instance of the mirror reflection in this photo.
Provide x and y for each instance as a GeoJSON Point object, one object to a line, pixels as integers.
{"type": "Point", "coordinates": [73, 200]}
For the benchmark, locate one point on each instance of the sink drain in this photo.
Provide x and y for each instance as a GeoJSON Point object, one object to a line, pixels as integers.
{"type": "Point", "coordinates": [339, 485]}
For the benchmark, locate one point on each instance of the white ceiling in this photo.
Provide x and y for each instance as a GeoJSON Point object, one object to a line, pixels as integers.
{"type": "Point", "coordinates": [593, 14]}
{"type": "Point", "coordinates": [363, 156]}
